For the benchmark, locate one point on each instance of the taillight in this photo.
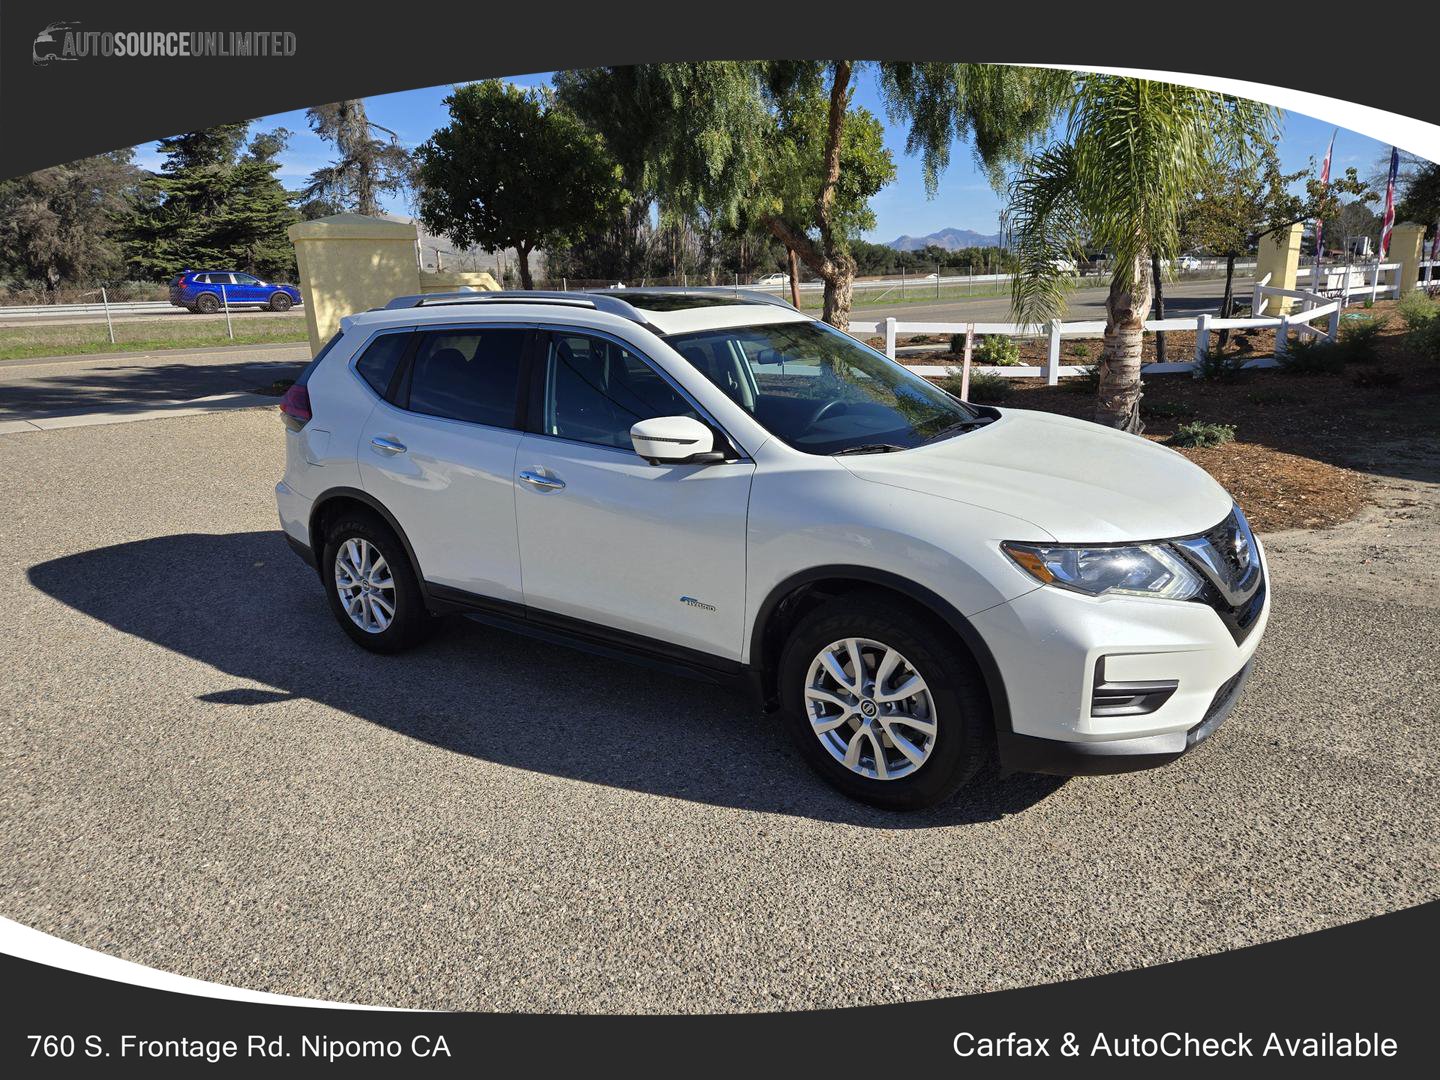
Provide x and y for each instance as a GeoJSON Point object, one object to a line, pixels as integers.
{"type": "Point", "coordinates": [295, 407]}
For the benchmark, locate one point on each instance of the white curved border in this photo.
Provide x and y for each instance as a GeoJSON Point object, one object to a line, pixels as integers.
{"type": "Point", "coordinates": [28, 944]}
{"type": "Point", "coordinates": [1406, 132]}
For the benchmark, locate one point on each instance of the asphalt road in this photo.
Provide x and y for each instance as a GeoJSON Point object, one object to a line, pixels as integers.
{"type": "Point", "coordinates": [1182, 298]}
{"type": "Point", "coordinates": [199, 772]}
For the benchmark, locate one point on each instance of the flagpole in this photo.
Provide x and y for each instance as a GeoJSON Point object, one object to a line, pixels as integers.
{"type": "Point", "coordinates": [1320, 222]}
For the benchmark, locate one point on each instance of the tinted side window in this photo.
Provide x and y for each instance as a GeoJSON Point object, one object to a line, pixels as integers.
{"type": "Point", "coordinates": [595, 390]}
{"type": "Point", "coordinates": [469, 375]}
{"type": "Point", "coordinates": [246, 279]}
{"type": "Point", "coordinates": [378, 363]}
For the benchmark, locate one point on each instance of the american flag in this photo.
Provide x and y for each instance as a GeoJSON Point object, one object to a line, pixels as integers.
{"type": "Point", "coordinates": [1324, 180]}
{"type": "Point", "coordinates": [1387, 223]}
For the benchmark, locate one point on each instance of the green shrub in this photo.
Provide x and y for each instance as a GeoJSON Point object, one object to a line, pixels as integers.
{"type": "Point", "coordinates": [1360, 339]}
{"type": "Point", "coordinates": [997, 350]}
{"type": "Point", "coordinates": [1217, 366]}
{"type": "Point", "coordinates": [1080, 351]}
{"type": "Point", "coordinates": [1375, 377]}
{"type": "Point", "coordinates": [1167, 410]}
{"type": "Point", "coordinates": [957, 344]}
{"type": "Point", "coordinates": [1200, 434]}
{"type": "Point", "coordinates": [1087, 382]}
{"type": "Point", "coordinates": [1416, 309]}
{"type": "Point", "coordinates": [1311, 356]}
{"type": "Point", "coordinates": [1424, 340]}
{"type": "Point", "coordinates": [988, 389]}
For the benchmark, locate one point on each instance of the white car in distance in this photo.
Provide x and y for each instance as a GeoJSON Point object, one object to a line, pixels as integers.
{"type": "Point", "coordinates": [719, 485]}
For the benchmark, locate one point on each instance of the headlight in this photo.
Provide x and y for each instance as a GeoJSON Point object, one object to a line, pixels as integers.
{"type": "Point", "coordinates": [1136, 570]}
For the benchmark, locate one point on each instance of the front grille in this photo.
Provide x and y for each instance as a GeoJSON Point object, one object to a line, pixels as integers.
{"type": "Point", "coordinates": [1228, 560]}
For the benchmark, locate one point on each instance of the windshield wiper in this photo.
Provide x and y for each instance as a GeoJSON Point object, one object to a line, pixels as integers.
{"type": "Point", "coordinates": [959, 426]}
{"type": "Point", "coordinates": [871, 448]}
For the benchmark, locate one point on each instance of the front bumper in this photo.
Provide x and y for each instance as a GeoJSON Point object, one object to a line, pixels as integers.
{"type": "Point", "coordinates": [1026, 753]}
{"type": "Point", "coordinates": [1052, 647]}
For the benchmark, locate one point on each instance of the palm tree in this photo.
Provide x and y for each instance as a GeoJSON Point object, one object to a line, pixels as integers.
{"type": "Point", "coordinates": [1133, 152]}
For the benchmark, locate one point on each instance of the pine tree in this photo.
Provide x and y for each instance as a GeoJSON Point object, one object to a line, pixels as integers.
{"type": "Point", "coordinates": [212, 205]}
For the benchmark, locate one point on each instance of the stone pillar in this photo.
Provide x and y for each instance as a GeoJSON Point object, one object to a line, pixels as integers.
{"type": "Point", "coordinates": [1407, 244]}
{"type": "Point", "coordinates": [351, 263]}
{"type": "Point", "coordinates": [1279, 256]}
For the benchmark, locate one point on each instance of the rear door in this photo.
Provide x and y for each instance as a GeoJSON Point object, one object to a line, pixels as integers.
{"type": "Point", "coordinates": [656, 551]}
{"type": "Point", "coordinates": [439, 449]}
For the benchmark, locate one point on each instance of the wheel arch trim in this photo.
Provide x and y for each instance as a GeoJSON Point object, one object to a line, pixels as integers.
{"type": "Point", "coordinates": [927, 598]}
{"type": "Point", "coordinates": [370, 502]}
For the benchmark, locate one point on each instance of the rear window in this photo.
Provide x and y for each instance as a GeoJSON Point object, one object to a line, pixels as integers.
{"type": "Point", "coordinates": [378, 363]}
{"type": "Point", "coordinates": [471, 375]}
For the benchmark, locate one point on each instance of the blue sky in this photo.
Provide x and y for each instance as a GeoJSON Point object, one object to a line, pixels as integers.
{"type": "Point", "coordinates": [965, 199]}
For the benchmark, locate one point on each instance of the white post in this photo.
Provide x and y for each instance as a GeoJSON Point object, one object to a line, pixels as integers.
{"type": "Point", "coordinates": [108, 324]}
{"type": "Point", "coordinates": [1282, 336]}
{"type": "Point", "coordinates": [890, 337]}
{"type": "Point", "coordinates": [1202, 338]}
{"type": "Point", "coordinates": [1332, 329]}
{"type": "Point", "coordinates": [1345, 288]}
{"type": "Point", "coordinates": [1257, 302]}
{"type": "Point", "coordinates": [965, 371]}
{"type": "Point", "coordinates": [1375, 280]}
{"type": "Point", "coordinates": [564, 284]}
{"type": "Point", "coordinates": [937, 284]}
{"type": "Point", "coordinates": [1052, 363]}
{"type": "Point", "coordinates": [225, 303]}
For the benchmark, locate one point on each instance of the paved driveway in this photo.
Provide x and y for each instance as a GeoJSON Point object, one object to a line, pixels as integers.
{"type": "Point", "coordinates": [199, 772]}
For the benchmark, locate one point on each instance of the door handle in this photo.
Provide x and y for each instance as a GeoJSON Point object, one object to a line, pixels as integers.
{"type": "Point", "coordinates": [544, 483]}
{"type": "Point", "coordinates": [389, 446]}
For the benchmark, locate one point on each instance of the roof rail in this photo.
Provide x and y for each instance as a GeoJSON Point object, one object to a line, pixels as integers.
{"type": "Point", "coordinates": [609, 303]}
{"type": "Point", "coordinates": [741, 295]}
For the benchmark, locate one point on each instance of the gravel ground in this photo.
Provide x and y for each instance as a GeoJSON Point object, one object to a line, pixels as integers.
{"type": "Point", "coordinates": [201, 774]}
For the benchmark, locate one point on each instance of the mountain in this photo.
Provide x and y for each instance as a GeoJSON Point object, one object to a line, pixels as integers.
{"type": "Point", "coordinates": [949, 239]}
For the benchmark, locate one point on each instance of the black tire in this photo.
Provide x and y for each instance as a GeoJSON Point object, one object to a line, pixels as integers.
{"type": "Point", "coordinates": [281, 302]}
{"type": "Point", "coordinates": [964, 720]}
{"type": "Point", "coordinates": [412, 622]}
{"type": "Point", "coordinates": [207, 303]}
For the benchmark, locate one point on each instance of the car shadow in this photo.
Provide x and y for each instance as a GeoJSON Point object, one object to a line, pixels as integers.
{"type": "Point", "coordinates": [243, 604]}
{"type": "Point", "coordinates": [122, 388]}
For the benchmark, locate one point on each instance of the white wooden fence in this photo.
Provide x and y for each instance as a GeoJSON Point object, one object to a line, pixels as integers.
{"type": "Point", "coordinates": [1312, 306]}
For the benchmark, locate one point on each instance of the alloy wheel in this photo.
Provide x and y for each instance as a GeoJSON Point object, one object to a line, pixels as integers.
{"type": "Point", "coordinates": [365, 585]}
{"type": "Point", "coordinates": [870, 708]}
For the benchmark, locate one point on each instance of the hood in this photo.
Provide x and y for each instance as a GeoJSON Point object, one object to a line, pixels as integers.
{"type": "Point", "coordinates": [1078, 481]}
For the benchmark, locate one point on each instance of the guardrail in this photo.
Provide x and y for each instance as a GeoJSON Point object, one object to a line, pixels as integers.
{"type": "Point", "coordinates": [51, 311]}
{"type": "Point", "coordinates": [1315, 307]}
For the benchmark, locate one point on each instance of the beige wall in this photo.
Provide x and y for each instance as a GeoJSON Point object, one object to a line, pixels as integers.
{"type": "Point", "coordinates": [1407, 244]}
{"type": "Point", "coordinates": [1279, 256]}
{"type": "Point", "coordinates": [455, 280]}
{"type": "Point", "coordinates": [350, 263]}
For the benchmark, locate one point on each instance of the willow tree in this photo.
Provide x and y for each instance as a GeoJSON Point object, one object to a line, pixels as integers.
{"type": "Point", "coordinates": [1132, 154]}
{"type": "Point", "coordinates": [783, 145]}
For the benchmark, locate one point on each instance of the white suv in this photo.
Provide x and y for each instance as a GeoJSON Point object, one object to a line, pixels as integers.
{"type": "Point", "coordinates": [720, 485]}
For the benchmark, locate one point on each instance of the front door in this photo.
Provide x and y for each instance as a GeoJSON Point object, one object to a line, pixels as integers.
{"type": "Point", "coordinates": [606, 537]}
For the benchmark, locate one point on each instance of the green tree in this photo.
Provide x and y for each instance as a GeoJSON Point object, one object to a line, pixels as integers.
{"type": "Point", "coordinates": [372, 162]}
{"type": "Point", "coordinates": [513, 170]}
{"type": "Point", "coordinates": [57, 225]}
{"type": "Point", "coordinates": [1238, 203]}
{"type": "Point", "coordinates": [1421, 199]}
{"type": "Point", "coordinates": [215, 202]}
{"type": "Point", "coordinates": [1132, 154]}
{"type": "Point", "coordinates": [712, 136]}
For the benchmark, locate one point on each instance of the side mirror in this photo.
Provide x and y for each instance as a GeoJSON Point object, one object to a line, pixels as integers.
{"type": "Point", "coordinates": [674, 440]}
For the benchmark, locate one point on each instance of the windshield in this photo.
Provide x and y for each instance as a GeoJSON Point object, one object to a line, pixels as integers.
{"type": "Point", "coordinates": [820, 390]}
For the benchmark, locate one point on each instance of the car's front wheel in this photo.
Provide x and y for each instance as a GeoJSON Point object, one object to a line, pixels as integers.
{"type": "Point", "coordinates": [884, 703]}
{"type": "Point", "coordinates": [280, 302]}
{"type": "Point", "coordinates": [372, 589]}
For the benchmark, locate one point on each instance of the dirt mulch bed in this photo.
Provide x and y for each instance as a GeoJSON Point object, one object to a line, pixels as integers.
{"type": "Point", "coordinates": [1179, 348]}
{"type": "Point", "coordinates": [1303, 444]}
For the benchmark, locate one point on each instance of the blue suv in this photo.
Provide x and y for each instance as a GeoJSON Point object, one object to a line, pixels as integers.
{"type": "Point", "coordinates": [200, 290]}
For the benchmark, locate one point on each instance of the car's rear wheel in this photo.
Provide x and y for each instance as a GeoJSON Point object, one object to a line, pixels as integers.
{"type": "Point", "coordinates": [280, 302]}
{"type": "Point", "coordinates": [372, 589]}
{"type": "Point", "coordinates": [884, 703]}
{"type": "Point", "coordinates": [207, 303]}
